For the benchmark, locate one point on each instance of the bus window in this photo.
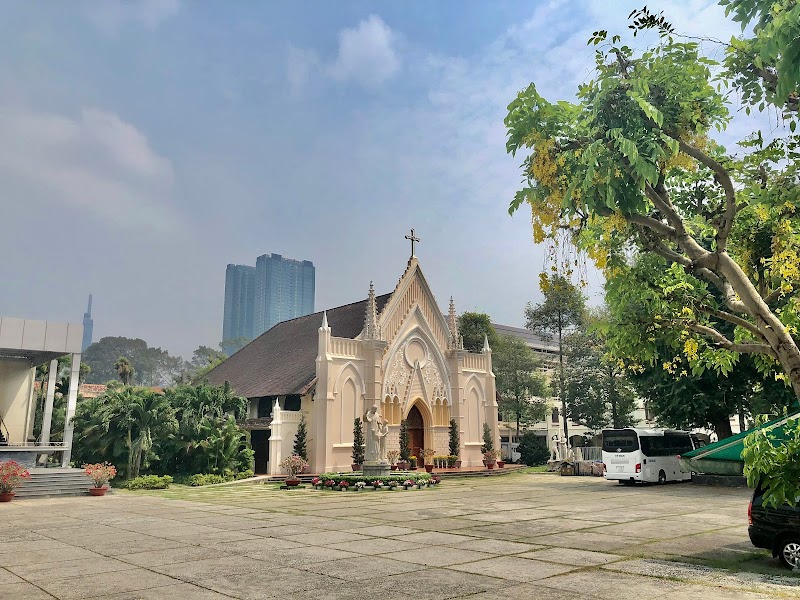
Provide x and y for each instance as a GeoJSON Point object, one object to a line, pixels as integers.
{"type": "Point", "coordinates": [620, 441]}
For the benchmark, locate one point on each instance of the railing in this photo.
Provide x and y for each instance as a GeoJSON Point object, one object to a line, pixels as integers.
{"type": "Point", "coordinates": [593, 453]}
{"type": "Point", "coordinates": [3, 436]}
{"type": "Point", "coordinates": [35, 445]}
{"type": "Point", "coordinates": [474, 362]}
{"type": "Point", "coordinates": [345, 347]}
{"type": "Point", "coordinates": [291, 416]}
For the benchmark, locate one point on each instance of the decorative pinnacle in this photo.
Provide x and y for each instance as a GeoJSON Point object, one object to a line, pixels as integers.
{"type": "Point", "coordinates": [371, 330]}
{"type": "Point", "coordinates": [486, 343]}
{"type": "Point", "coordinates": [325, 320]}
{"type": "Point", "coordinates": [452, 323]}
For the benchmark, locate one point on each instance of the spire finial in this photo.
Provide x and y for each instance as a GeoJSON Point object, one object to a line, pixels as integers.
{"type": "Point", "coordinates": [371, 329]}
{"type": "Point", "coordinates": [452, 324]}
{"type": "Point", "coordinates": [486, 347]}
{"type": "Point", "coordinates": [325, 319]}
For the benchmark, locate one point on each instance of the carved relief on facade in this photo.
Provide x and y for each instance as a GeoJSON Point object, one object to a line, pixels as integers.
{"type": "Point", "coordinates": [412, 371]}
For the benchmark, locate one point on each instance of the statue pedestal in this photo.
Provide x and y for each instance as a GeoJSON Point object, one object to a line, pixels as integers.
{"type": "Point", "coordinates": [376, 468]}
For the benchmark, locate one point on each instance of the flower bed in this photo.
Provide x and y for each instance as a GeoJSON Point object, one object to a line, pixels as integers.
{"type": "Point", "coordinates": [394, 480]}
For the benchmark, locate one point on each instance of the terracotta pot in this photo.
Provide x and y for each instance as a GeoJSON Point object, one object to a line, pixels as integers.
{"type": "Point", "coordinates": [394, 467]}
{"type": "Point", "coordinates": [429, 468]}
{"type": "Point", "coordinates": [458, 464]}
{"type": "Point", "coordinates": [355, 467]}
{"type": "Point", "coordinates": [403, 465]}
{"type": "Point", "coordinates": [6, 496]}
{"type": "Point", "coordinates": [95, 491]}
{"type": "Point", "coordinates": [501, 463]}
{"type": "Point", "coordinates": [489, 465]}
{"type": "Point", "coordinates": [292, 481]}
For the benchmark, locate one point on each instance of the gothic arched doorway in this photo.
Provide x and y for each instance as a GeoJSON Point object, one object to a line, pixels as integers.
{"type": "Point", "coordinates": [416, 433]}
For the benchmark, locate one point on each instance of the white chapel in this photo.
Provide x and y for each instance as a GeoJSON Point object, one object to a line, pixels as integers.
{"type": "Point", "coordinates": [396, 350]}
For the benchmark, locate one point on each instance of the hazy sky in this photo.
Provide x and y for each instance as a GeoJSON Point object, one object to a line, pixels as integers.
{"type": "Point", "coordinates": [147, 144]}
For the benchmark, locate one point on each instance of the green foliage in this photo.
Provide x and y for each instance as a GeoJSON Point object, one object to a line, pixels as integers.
{"type": "Point", "coordinates": [518, 383]}
{"type": "Point", "coordinates": [398, 476]}
{"type": "Point", "coordinates": [455, 441]}
{"type": "Point", "coordinates": [488, 439]}
{"type": "Point", "coordinates": [358, 443]}
{"type": "Point", "coordinates": [562, 311]}
{"type": "Point", "coordinates": [473, 328]}
{"type": "Point", "coordinates": [631, 168]}
{"type": "Point", "coordinates": [405, 443]}
{"type": "Point", "coordinates": [149, 482]}
{"type": "Point", "coordinates": [533, 449]}
{"type": "Point", "coordinates": [233, 345]}
{"type": "Point", "coordinates": [300, 439]}
{"type": "Point", "coordinates": [188, 429]}
{"type": "Point", "coordinates": [153, 366]}
{"type": "Point", "coordinates": [770, 461]}
{"type": "Point", "coordinates": [598, 391]}
{"type": "Point", "coordinates": [125, 370]}
{"type": "Point", "coordinates": [206, 479]}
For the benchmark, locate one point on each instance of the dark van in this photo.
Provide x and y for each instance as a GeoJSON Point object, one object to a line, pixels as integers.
{"type": "Point", "coordinates": [776, 529]}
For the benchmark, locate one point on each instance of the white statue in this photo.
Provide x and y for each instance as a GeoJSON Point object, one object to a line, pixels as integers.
{"type": "Point", "coordinates": [376, 430]}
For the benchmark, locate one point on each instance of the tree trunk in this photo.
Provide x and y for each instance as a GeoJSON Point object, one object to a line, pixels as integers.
{"type": "Point", "coordinates": [561, 377]}
{"type": "Point", "coordinates": [723, 429]}
{"type": "Point", "coordinates": [612, 397]}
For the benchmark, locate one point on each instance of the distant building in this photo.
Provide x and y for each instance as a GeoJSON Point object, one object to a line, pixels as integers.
{"type": "Point", "coordinates": [239, 302]}
{"type": "Point", "coordinates": [284, 289]}
{"type": "Point", "coordinates": [88, 325]}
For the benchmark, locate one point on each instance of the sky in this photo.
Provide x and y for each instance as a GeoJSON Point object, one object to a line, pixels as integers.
{"type": "Point", "coordinates": [149, 143]}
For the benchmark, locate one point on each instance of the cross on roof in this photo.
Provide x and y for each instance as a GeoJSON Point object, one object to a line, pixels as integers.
{"type": "Point", "coordinates": [413, 239]}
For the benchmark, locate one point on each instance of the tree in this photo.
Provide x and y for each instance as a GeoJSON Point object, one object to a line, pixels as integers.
{"type": "Point", "coordinates": [488, 440]}
{"type": "Point", "coordinates": [125, 370]}
{"type": "Point", "coordinates": [154, 366]}
{"type": "Point", "coordinates": [455, 441]}
{"type": "Point", "coordinates": [631, 165]}
{"type": "Point", "coordinates": [358, 443]}
{"type": "Point", "coordinates": [771, 461]}
{"type": "Point", "coordinates": [560, 313]}
{"type": "Point", "coordinates": [300, 439]}
{"type": "Point", "coordinates": [474, 328]}
{"type": "Point", "coordinates": [533, 449]}
{"type": "Point", "coordinates": [598, 390]}
{"type": "Point", "coordinates": [405, 444]}
{"type": "Point", "coordinates": [205, 356]}
{"type": "Point", "coordinates": [518, 383]}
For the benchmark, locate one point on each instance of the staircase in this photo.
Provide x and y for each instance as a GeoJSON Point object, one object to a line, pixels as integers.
{"type": "Point", "coordinates": [55, 482]}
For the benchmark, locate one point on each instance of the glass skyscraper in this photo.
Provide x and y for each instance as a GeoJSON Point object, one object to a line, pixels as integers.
{"type": "Point", "coordinates": [256, 298]}
{"type": "Point", "coordinates": [284, 290]}
{"type": "Point", "coordinates": [239, 297]}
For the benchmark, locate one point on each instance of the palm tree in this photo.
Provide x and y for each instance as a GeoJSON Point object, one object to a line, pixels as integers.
{"type": "Point", "coordinates": [125, 370]}
{"type": "Point", "coordinates": [149, 413]}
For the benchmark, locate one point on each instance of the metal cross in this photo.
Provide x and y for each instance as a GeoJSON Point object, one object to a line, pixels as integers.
{"type": "Point", "coordinates": [413, 239]}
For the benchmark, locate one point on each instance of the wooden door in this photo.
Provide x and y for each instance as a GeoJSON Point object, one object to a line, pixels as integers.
{"type": "Point", "coordinates": [416, 434]}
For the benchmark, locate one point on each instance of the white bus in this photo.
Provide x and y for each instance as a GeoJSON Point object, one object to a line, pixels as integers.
{"type": "Point", "coordinates": [649, 455]}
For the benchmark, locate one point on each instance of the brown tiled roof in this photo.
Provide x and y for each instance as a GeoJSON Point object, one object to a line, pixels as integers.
{"type": "Point", "coordinates": [283, 359]}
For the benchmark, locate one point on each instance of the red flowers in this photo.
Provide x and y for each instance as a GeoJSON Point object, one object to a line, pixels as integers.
{"type": "Point", "coordinates": [100, 473]}
{"type": "Point", "coordinates": [11, 475]}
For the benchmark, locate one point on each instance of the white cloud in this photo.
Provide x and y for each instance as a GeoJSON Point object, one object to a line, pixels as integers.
{"type": "Point", "coordinates": [367, 54]}
{"type": "Point", "coordinates": [110, 15]}
{"type": "Point", "coordinates": [299, 67]}
{"type": "Point", "coordinates": [96, 163]}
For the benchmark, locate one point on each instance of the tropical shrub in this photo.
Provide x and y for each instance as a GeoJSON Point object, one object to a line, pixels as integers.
{"type": "Point", "coordinates": [149, 482]}
{"type": "Point", "coordinates": [771, 461]}
{"type": "Point", "coordinates": [455, 441]}
{"type": "Point", "coordinates": [293, 464]}
{"type": "Point", "coordinates": [353, 478]}
{"type": "Point", "coordinates": [358, 443]}
{"type": "Point", "coordinates": [206, 479]}
{"type": "Point", "coordinates": [100, 473]}
{"type": "Point", "coordinates": [405, 443]}
{"type": "Point", "coordinates": [300, 439]}
{"type": "Point", "coordinates": [533, 449]}
{"type": "Point", "coordinates": [488, 439]}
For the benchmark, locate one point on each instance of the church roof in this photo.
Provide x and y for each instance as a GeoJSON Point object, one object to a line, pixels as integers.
{"type": "Point", "coordinates": [283, 360]}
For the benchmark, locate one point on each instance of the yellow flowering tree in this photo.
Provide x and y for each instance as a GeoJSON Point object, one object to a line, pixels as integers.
{"type": "Point", "coordinates": [631, 168]}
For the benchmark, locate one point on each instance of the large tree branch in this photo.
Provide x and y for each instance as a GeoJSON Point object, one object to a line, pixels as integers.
{"type": "Point", "coordinates": [777, 294]}
{"type": "Point", "coordinates": [736, 320]}
{"type": "Point", "coordinates": [723, 342]}
{"type": "Point", "coordinates": [724, 179]}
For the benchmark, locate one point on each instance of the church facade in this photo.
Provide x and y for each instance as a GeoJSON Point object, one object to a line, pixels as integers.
{"type": "Point", "coordinates": [397, 351]}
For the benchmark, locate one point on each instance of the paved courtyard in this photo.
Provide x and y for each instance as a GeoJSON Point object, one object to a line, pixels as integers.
{"type": "Point", "coordinates": [519, 536]}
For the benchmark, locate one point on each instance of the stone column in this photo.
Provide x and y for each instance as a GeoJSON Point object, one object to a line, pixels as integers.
{"type": "Point", "coordinates": [48, 405]}
{"type": "Point", "coordinates": [275, 440]}
{"type": "Point", "coordinates": [72, 400]}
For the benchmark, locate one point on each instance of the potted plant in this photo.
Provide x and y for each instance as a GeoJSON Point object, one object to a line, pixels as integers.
{"type": "Point", "coordinates": [100, 474]}
{"type": "Point", "coordinates": [293, 465]}
{"type": "Point", "coordinates": [455, 443]}
{"type": "Point", "coordinates": [393, 455]}
{"type": "Point", "coordinates": [393, 485]}
{"type": "Point", "coordinates": [412, 463]}
{"type": "Point", "coordinates": [343, 485]}
{"type": "Point", "coordinates": [405, 447]}
{"type": "Point", "coordinates": [358, 446]}
{"type": "Point", "coordinates": [429, 453]}
{"type": "Point", "coordinates": [488, 459]}
{"type": "Point", "coordinates": [377, 484]}
{"type": "Point", "coordinates": [501, 458]}
{"type": "Point", "coordinates": [11, 476]}
{"type": "Point", "coordinates": [330, 484]}
{"type": "Point", "coordinates": [408, 483]}
{"type": "Point", "coordinates": [317, 483]}
{"type": "Point", "coordinates": [488, 446]}
{"type": "Point", "coordinates": [360, 485]}
{"type": "Point", "coordinates": [300, 448]}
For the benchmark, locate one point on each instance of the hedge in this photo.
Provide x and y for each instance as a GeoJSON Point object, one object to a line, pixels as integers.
{"type": "Point", "coordinates": [399, 476]}
{"type": "Point", "coordinates": [149, 482]}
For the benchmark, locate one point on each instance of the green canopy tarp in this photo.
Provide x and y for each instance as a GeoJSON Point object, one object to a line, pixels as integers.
{"type": "Point", "coordinates": [725, 456]}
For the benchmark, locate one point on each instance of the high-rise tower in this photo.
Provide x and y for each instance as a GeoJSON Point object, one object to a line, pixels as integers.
{"type": "Point", "coordinates": [284, 290]}
{"type": "Point", "coordinates": [239, 296]}
{"type": "Point", "coordinates": [88, 325]}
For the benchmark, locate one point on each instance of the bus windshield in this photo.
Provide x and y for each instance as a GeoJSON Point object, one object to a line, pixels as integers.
{"type": "Point", "coordinates": [620, 440]}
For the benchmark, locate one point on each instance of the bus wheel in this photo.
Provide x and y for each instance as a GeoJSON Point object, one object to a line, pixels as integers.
{"type": "Point", "coordinates": [662, 477]}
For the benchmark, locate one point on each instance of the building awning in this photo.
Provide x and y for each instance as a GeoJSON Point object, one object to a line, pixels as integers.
{"type": "Point", "coordinates": [725, 456]}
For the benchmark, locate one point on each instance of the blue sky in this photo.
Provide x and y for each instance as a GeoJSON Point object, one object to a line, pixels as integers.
{"type": "Point", "coordinates": [149, 143]}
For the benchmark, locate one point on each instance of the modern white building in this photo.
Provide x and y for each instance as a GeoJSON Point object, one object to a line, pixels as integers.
{"type": "Point", "coordinates": [24, 345]}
